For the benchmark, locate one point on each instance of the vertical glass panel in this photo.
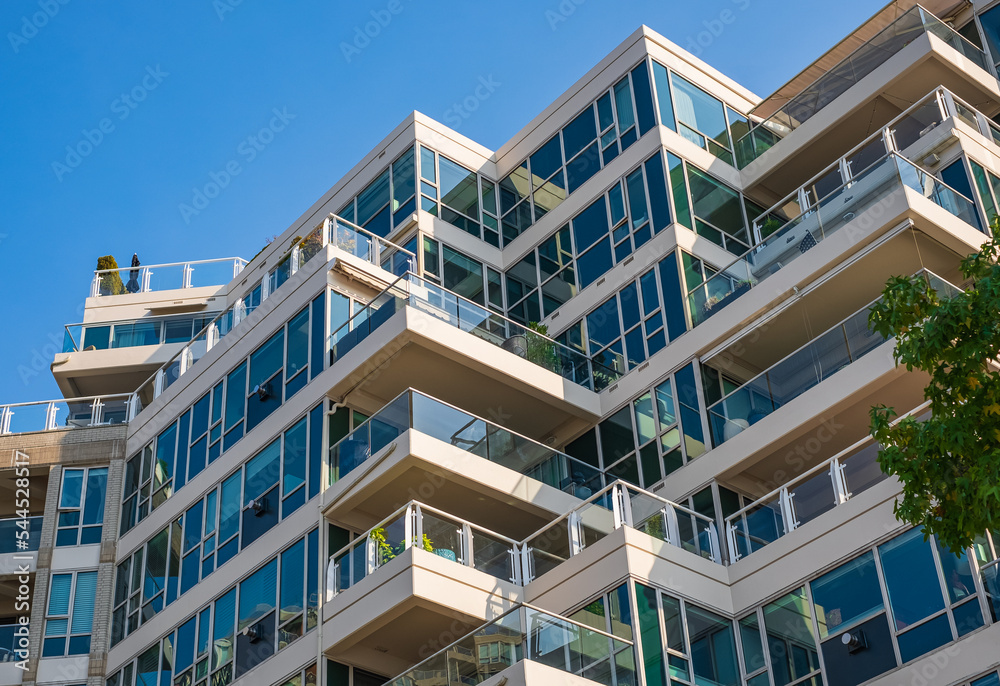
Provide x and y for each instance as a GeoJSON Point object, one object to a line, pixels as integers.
{"type": "Point", "coordinates": [72, 488]}
{"type": "Point", "coordinates": [229, 509]}
{"type": "Point", "coordinates": [222, 629]}
{"type": "Point", "coordinates": [373, 198]}
{"type": "Point", "coordinates": [644, 422]}
{"type": "Point", "coordinates": [958, 577]}
{"type": "Point", "coordinates": [662, 83]}
{"type": "Point", "coordinates": [617, 439]}
{"type": "Point", "coordinates": [700, 111]}
{"type": "Point", "coordinates": [262, 472]}
{"type": "Point", "coordinates": [427, 171]}
{"type": "Point", "coordinates": [293, 579]}
{"type": "Point", "coordinates": [753, 649]}
{"type": "Point", "coordinates": [847, 595]}
{"type": "Point", "coordinates": [643, 98]}
{"type": "Point", "coordinates": [156, 564]}
{"type": "Point", "coordinates": [402, 179]}
{"type": "Point", "coordinates": [713, 647]}
{"type": "Point", "coordinates": [649, 636]}
{"type": "Point", "coordinates": [636, 198]}
{"type": "Point", "coordinates": [236, 395]}
{"type": "Point", "coordinates": [790, 640]}
{"type": "Point", "coordinates": [459, 188]}
{"type": "Point", "coordinates": [590, 225]}
{"type": "Point", "coordinates": [678, 186]}
{"type": "Point", "coordinates": [579, 132]}
{"type": "Point", "coordinates": [294, 458]}
{"type": "Point", "coordinates": [623, 105]}
{"type": "Point", "coordinates": [911, 578]}
{"type": "Point", "coordinates": [266, 360]}
{"type": "Point", "coordinates": [463, 275]}
{"type": "Point", "coordinates": [298, 343]}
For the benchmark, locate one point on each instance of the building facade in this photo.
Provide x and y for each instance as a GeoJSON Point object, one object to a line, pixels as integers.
{"type": "Point", "coordinates": [590, 408]}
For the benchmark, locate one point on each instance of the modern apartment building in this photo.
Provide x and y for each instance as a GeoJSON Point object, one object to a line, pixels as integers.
{"type": "Point", "coordinates": [591, 408]}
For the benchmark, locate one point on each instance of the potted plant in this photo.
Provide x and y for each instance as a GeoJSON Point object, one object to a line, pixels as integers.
{"type": "Point", "coordinates": [111, 283]}
{"type": "Point", "coordinates": [770, 225]}
{"type": "Point", "coordinates": [542, 350]}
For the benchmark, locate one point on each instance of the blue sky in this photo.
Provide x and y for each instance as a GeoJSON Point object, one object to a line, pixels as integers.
{"type": "Point", "coordinates": [168, 93]}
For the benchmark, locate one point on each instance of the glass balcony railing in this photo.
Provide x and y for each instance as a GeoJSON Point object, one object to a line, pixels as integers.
{"type": "Point", "coordinates": [787, 379]}
{"type": "Point", "coordinates": [620, 504]}
{"type": "Point", "coordinates": [132, 333]}
{"type": "Point", "coordinates": [795, 237]}
{"type": "Point", "coordinates": [414, 410]}
{"type": "Point", "coordinates": [333, 231]}
{"type": "Point", "coordinates": [864, 60]}
{"type": "Point", "coordinates": [424, 527]}
{"type": "Point", "coordinates": [527, 633]}
{"type": "Point", "coordinates": [470, 317]}
{"type": "Point", "coordinates": [165, 277]}
{"type": "Point", "coordinates": [11, 543]}
{"type": "Point", "coordinates": [70, 413]}
{"type": "Point", "coordinates": [817, 491]}
{"type": "Point", "coordinates": [9, 642]}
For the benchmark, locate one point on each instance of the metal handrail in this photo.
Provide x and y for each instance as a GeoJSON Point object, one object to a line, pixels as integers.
{"type": "Point", "coordinates": [812, 341]}
{"type": "Point", "coordinates": [822, 466]}
{"type": "Point", "coordinates": [173, 264]}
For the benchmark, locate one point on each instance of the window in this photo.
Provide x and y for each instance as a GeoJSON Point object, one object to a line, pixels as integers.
{"type": "Point", "coordinates": [210, 646]}
{"type": "Point", "coordinates": [459, 196]}
{"type": "Point", "coordinates": [273, 373]}
{"type": "Point", "coordinates": [460, 273]}
{"type": "Point", "coordinates": [570, 158]}
{"type": "Point", "coordinates": [81, 506]}
{"type": "Point", "coordinates": [69, 616]}
{"type": "Point", "coordinates": [650, 437]}
{"type": "Point", "coordinates": [705, 653]}
{"type": "Point", "coordinates": [607, 231]}
{"type": "Point", "coordinates": [388, 201]}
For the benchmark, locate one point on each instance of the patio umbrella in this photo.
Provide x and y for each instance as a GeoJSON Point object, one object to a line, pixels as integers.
{"type": "Point", "coordinates": [133, 276]}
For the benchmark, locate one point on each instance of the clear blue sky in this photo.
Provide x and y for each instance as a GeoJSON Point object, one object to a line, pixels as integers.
{"type": "Point", "coordinates": [200, 76]}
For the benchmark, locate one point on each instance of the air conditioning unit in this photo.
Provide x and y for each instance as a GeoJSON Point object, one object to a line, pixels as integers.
{"type": "Point", "coordinates": [252, 633]}
{"type": "Point", "coordinates": [262, 391]}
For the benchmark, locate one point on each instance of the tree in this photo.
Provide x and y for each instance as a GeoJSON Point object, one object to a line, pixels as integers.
{"type": "Point", "coordinates": [949, 464]}
{"type": "Point", "coordinates": [111, 283]}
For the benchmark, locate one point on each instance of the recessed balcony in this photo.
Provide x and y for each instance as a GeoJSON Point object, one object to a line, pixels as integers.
{"type": "Point", "coordinates": [419, 446]}
{"type": "Point", "coordinates": [814, 125]}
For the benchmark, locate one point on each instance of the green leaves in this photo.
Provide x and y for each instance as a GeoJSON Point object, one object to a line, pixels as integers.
{"type": "Point", "coordinates": [948, 462]}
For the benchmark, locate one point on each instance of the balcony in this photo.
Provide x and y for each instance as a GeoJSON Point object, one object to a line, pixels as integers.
{"type": "Point", "coordinates": [70, 413]}
{"type": "Point", "coordinates": [846, 102]}
{"type": "Point", "coordinates": [170, 276]}
{"type": "Point", "coordinates": [465, 315]}
{"type": "Point", "coordinates": [784, 381]}
{"type": "Point", "coordinates": [845, 206]}
{"type": "Point", "coordinates": [616, 506]}
{"type": "Point", "coordinates": [10, 527]}
{"type": "Point", "coordinates": [815, 492]}
{"type": "Point", "coordinates": [527, 633]}
{"type": "Point", "coordinates": [454, 460]}
{"type": "Point", "coordinates": [863, 61]}
{"type": "Point", "coordinates": [334, 231]}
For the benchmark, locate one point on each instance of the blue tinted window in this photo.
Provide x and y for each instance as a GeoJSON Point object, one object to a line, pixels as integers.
{"type": "Point", "coordinates": [643, 98]}
{"type": "Point", "coordinates": [546, 160]}
{"type": "Point", "coordinates": [594, 263]}
{"type": "Point", "coordinates": [579, 132]}
{"type": "Point", "coordinates": [590, 225]}
{"type": "Point", "coordinates": [911, 578]}
{"type": "Point", "coordinates": [583, 167]}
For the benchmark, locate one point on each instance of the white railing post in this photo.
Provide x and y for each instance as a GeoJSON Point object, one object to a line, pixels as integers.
{"type": "Point", "coordinates": [5, 415]}
{"type": "Point", "coordinates": [239, 312]}
{"type": "Point", "coordinates": [467, 546]}
{"type": "Point", "coordinates": [620, 506]}
{"type": "Point", "coordinates": [418, 526]}
{"type": "Point", "coordinates": [50, 416]}
{"type": "Point", "coordinates": [158, 383]}
{"type": "Point", "coordinates": [376, 250]}
{"type": "Point", "coordinates": [673, 528]}
{"type": "Point", "coordinates": [293, 260]}
{"type": "Point", "coordinates": [788, 520]}
{"type": "Point", "coordinates": [949, 104]}
{"type": "Point", "coordinates": [713, 543]}
{"type": "Point", "coordinates": [515, 565]}
{"type": "Point", "coordinates": [95, 286]}
{"type": "Point", "coordinates": [840, 493]}
{"type": "Point", "coordinates": [331, 579]}
{"type": "Point", "coordinates": [211, 336]}
{"type": "Point", "coordinates": [185, 360]}
{"type": "Point", "coordinates": [96, 412]}
{"type": "Point", "coordinates": [186, 276]}
{"type": "Point", "coordinates": [574, 526]}
{"type": "Point", "coordinates": [146, 275]}
{"type": "Point", "coordinates": [527, 574]}
{"type": "Point", "coordinates": [409, 526]}
{"type": "Point", "coordinates": [132, 406]}
{"type": "Point", "coordinates": [734, 551]}
{"type": "Point", "coordinates": [371, 555]}
{"type": "Point", "coordinates": [265, 287]}
{"type": "Point", "coordinates": [237, 267]}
